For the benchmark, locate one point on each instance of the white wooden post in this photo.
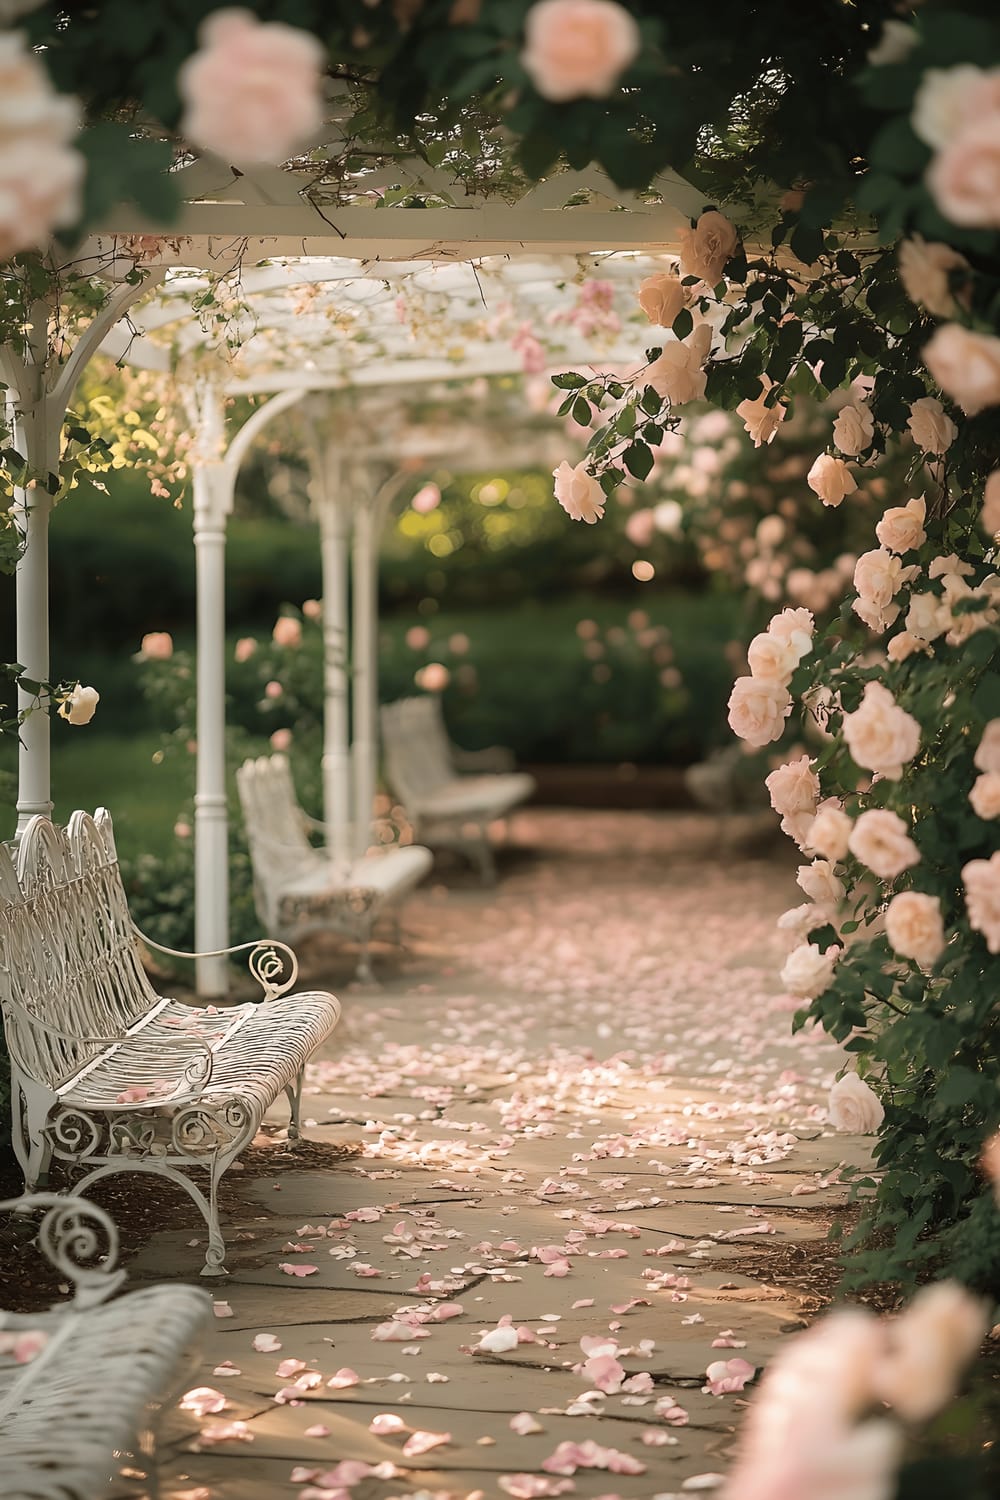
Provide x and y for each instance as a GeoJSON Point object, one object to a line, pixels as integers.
{"type": "Point", "coordinates": [332, 509]}
{"type": "Point", "coordinates": [364, 663]}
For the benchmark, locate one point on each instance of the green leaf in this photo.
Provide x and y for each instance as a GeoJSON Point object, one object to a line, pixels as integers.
{"type": "Point", "coordinates": [638, 460]}
{"type": "Point", "coordinates": [683, 323]}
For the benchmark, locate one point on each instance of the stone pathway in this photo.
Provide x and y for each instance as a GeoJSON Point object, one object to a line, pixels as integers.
{"type": "Point", "coordinates": [580, 1113]}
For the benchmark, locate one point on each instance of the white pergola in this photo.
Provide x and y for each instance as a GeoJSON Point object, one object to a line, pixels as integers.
{"type": "Point", "coordinates": [327, 296]}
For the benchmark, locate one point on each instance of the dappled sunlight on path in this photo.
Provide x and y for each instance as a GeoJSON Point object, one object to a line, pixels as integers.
{"type": "Point", "coordinates": [580, 1110]}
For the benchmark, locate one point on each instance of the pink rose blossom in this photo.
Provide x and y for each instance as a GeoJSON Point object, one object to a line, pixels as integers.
{"type": "Point", "coordinates": [281, 739]}
{"type": "Point", "coordinates": [987, 756]}
{"type": "Point", "coordinates": [576, 49]}
{"type": "Point", "coordinates": [577, 491]}
{"type": "Point", "coordinates": [427, 498]}
{"type": "Point", "coordinates": [985, 796]}
{"type": "Point", "coordinates": [902, 527]}
{"type": "Point", "coordinates": [794, 792]}
{"type": "Point", "coordinates": [433, 678]}
{"type": "Point", "coordinates": [854, 1107]}
{"type": "Point", "coordinates": [924, 271]}
{"type": "Point", "coordinates": [287, 631]}
{"type": "Point", "coordinates": [819, 882]}
{"type": "Point", "coordinates": [949, 100]}
{"type": "Point", "coordinates": [915, 928]}
{"type": "Point", "coordinates": [772, 660]}
{"type": "Point", "coordinates": [707, 247]}
{"type": "Point", "coordinates": [903, 646]}
{"type": "Point", "coordinates": [880, 839]}
{"type": "Point", "coordinates": [312, 609]}
{"type": "Point", "coordinates": [981, 878]}
{"type": "Point", "coordinates": [990, 1162]}
{"type": "Point", "coordinates": [880, 735]}
{"type": "Point", "coordinates": [831, 479]}
{"type": "Point", "coordinates": [662, 296]}
{"type": "Point", "coordinates": [157, 646]}
{"type": "Point", "coordinates": [418, 638]}
{"type": "Point", "coordinates": [964, 177]}
{"type": "Point", "coordinates": [40, 172]}
{"type": "Point", "coordinates": [761, 420]}
{"type": "Point", "coordinates": [245, 648]}
{"type": "Point", "coordinates": [253, 92]}
{"type": "Point", "coordinates": [758, 709]}
{"type": "Point", "coordinates": [829, 833]}
{"type": "Point", "coordinates": [966, 365]}
{"type": "Point", "coordinates": [640, 528]}
{"type": "Point", "coordinates": [930, 1344]}
{"type": "Point", "coordinates": [796, 626]}
{"type": "Point", "coordinates": [989, 518]}
{"type": "Point", "coordinates": [878, 577]}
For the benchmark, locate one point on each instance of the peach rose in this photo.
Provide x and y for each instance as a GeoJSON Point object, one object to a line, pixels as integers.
{"type": "Point", "coordinates": [758, 709]}
{"type": "Point", "coordinates": [796, 627]}
{"type": "Point", "coordinates": [987, 756]}
{"type": "Point", "coordinates": [903, 646]}
{"type": "Point", "coordinates": [924, 271]}
{"type": "Point", "coordinates": [989, 517]}
{"type": "Point", "coordinates": [158, 645]}
{"type": "Point", "coordinates": [966, 365]}
{"type": "Point", "coordinates": [578, 49]}
{"type": "Point", "coordinates": [880, 735]}
{"type": "Point", "coordinates": [880, 839]}
{"type": "Point", "coordinates": [793, 788]}
{"type": "Point", "coordinates": [807, 970]}
{"type": "Point", "coordinates": [287, 631]}
{"type": "Point", "coordinates": [799, 922]}
{"type": "Point", "coordinates": [854, 430]}
{"type": "Point", "coordinates": [40, 172]}
{"type": "Point", "coordinates": [662, 296]}
{"type": "Point", "coordinates": [949, 100]}
{"type": "Point", "coordinates": [981, 878]}
{"type": "Point", "coordinates": [964, 177]}
{"type": "Point", "coordinates": [281, 739]}
{"type": "Point", "coordinates": [244, 648]}
{"type": "Point", "coordinates": [930, 1345]}
{"type": "Point", "coordinates": [707, 247]}
{"type": "Point", "coordinates": [930, 426]}
{"type": "Point", "coordinates": [877, 576]}
{"type": "Point", "coordinates": [771, 659]}
{"type": "Point", "coordinates": [578, 492]}
{"type": "Point", "coordinates": [760, 420]}
{"type": "Point", "coordinates": [902, 526]}
{"type": "Point", "coordinates": [80, 704]}
{"type": "Point", "coordinates": [927, 617]}
{"type": "Point", "coordinates": [877, 617]}
{"type": "Point", "coordinates": [678, 376]}
{"type": "Point", "coordinates": [915, 928]}
{"type": "Point", "coordinates": [253, 91]}
{"type": "Point", "coordinates": [831, 479]}
{"type": "Point", "coordinates": [640, 528]}
{"type": "Point", "coordinates": [854, 1107]}
{"type": "Point", "coordinates": [990, 1163]}
{"type": "Point", "coordinates": [820, 883]}
{"type": "Point", "coordinates": [985, 796]}
{"type": "Point", "coordinates": [312, 609]}
{"type": "Point", "coordinates": [830, 832]}
{"type": "Point", "coordinates": [433, 678]}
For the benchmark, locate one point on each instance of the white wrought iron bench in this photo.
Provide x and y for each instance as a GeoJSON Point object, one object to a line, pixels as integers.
{"type": "Point", "coordinates": [82, 1384]}
{"type": "Point", "coordinates": [299, 888]}
{"type": "Point", "coordinates": [105, 1073]}
{"type": "Point", "coordinates": [448, 808]}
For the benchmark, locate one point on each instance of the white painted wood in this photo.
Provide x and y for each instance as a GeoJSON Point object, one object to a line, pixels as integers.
{"type": "Point", "coordinates": [108, 1075]}
{"type": "Point", "coordinates": [300, 888]}
{"type": "Point", "coordinates": [446, 809]}
{"type": "Point", "coordinates": [93, 1395]}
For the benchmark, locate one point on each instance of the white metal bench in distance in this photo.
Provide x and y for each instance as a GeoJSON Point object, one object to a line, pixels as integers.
{"type": "Point", "coordinates": [108, 1075]}
{"type": "Point", "coordinates": [102, 1370]}
{"type": "Point", "coordinates": [448, 808]}
{"type": "Point", "coordinates": [300, 889]}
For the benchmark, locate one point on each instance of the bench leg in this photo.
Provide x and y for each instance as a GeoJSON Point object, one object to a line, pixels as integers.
{"type": "Point", "coordinates": [363, 972]}
{"type": "Point", "coordinates": [31, 1145]}
{"type": "Point", "coordinates": [483, 856]}
{"type": "Point", "coordinates": [293, 1091]}
{"type": "Point", "coordinates": [215, 1255]}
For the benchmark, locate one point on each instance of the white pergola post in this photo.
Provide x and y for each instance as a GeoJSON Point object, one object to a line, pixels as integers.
{"type": "Point", "coordinates": [364, 664]}
{"type": "Point", "coordinates": [214, 471]}
{"type": "Point", "coordinates": [332, 509]}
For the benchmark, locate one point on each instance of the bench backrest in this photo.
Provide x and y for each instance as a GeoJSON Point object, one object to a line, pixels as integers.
{"type": "Point", "coordinates": [417, 750]}
{"type": "Point", "coordinates": [280, 850]}
{"type": "Point", "coordinates": [68, 952]}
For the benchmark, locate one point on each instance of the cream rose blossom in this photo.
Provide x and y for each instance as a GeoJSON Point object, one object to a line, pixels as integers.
{"type": "Point", "coordinates": [830, 832]}
{"type": "Point", "coordinates": [854, 1107]}
{"type": "Point", "coordinates": [924, 269]}
{"type": "Point", "coordinates": [678, 375]}
{"type": "Point", "coordinates": [820, 883]}
{"type": "Point", "coordinates": [903, 646]}
{"type": "Point", "coordinates": [981, 878]}
{"type": "Point", "coordinates": [880, 839]}
{"type": "Point", "coordinates": [760, 420]}
{"type": "Point", "coordinates": [796, 627]}
{"type": "Point", "coordinates": [758, 709]}
{"type": "Point", "coordinates": [662, 296]}
{"type": "Point", "coordinates": [989, 518]}
{"type": "Point", "coordinates": [794, 792]}
{"type": "Point", "coordinates": [930, 1344]}
{"type": "Point", "coordinates": [985, 796]}
{"type": "Point", "coordinates": [707, 246]}
{"type": "Point", "coordinates": [877, 576]}
{"type": "Point", "coordinates": [40, 171]}
{"type": "Point", "coordinates": [287, 631]}
{"type": "Point", "coordinates": [948, 100]}
{"type": "Point", "coordinates": [930, 426]}
{"type": "Point", "coordinates": [80, 704]}
{"type": "Point", "coordinates": [880, 735]}
{"type": "Point", "coordinates": [987, 756]}
{"type": "Point", "coordinates": [902, 526]}
{"type": "Point", "coordinates": [772, 659]}
{"type": "Point", "coordinates": [253, 92]}
{"type": "Point", "coordinates": [158, 645]}
{"type": "Point", "coordinates": [578, 49]}
{"type": "Point", "coordinates": [927, 617]}
{"type": "Point", "coordinates": [966, 365]}
{"type": "Point", "coordinates": [578, 492]}
{"type": "Point", "coordinates": [854, 430]}
{"type": "Point", "coordinates": [964, 177]}
{"type": "Point", "coordinates": [831, 479]}
{"type": "Point", "coordinates": [915, 928]}
{"type": "Point", "coordinates": [807, 970]}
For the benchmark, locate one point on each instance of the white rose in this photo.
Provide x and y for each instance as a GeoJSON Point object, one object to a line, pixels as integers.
{"type": "Point", "coordinates": [831, 479]}
{"type": "Point", "coordinates": [902, 526]}
{"type": "Point", "coordinates": [758, 709]}
{"type": "Point", "coordinates": [987, 756]}
{"type": "Point", "coordinates": [930, 1344]}
{"type": "Point", "coordinates": [772, 659]}
{"type": "Point", "coordinates": [927, 617]}
{"type": "Point", "coordinates": [854, 430]}
{"type": "Point", "coordinates": [880, 839]}
{"type": "Point", "coordinates": [877, 576]}
{"type": "Point", "coordinates": [989, 518]}
{"type": "Point", "coordinates": [706, 248]}
{"type": "Point", "coordinates": [915, 928]}
{"type": "Point", "coordinates": [966, 365]}
{"type": "Point", "coordinates": [807, 970]}
{"type": "Point", "coordinates": [820, 883]}
{"type": "Point", "coordinates": [79, 705]}
{"type": "Point", "coordinates": [923, 270]}
{"type": "Point", "coordinates": [760, 420]}
{"type": "Point", "coordinates": [797, 923]}
{"type": "Point", "coordinates": [829, 833]}
{"type": "Point", "coordinates": [930, 426]}
{"type": "Point", "coordinates": [578, 49]}
{"type": "Point", "coordinates": [854, 1107]}
{"type": "Point", "coordinates": [678, 376]}
{"type": "Point", "coordinates": [578, 492]}
{"type": "Point", "coordinates": [948, 99]}
{"type": "Point", "coordinates": [880, 735]}
{"type": "Point", "coordinates": [796, 627]}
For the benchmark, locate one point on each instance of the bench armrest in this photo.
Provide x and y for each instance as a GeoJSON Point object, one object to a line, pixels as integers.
{"type": "Point", "coordinates": [494, 758]}
{"type": "Point", "coordinates": [265, 960]}
{"type": "Point", "coordinates": [197, 1073]}
{"type": "Point", "coordinates": [72, 1234]}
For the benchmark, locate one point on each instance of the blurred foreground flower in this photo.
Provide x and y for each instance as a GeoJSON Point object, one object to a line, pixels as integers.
{"type": "Point", "coordinates": [79, 705]}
